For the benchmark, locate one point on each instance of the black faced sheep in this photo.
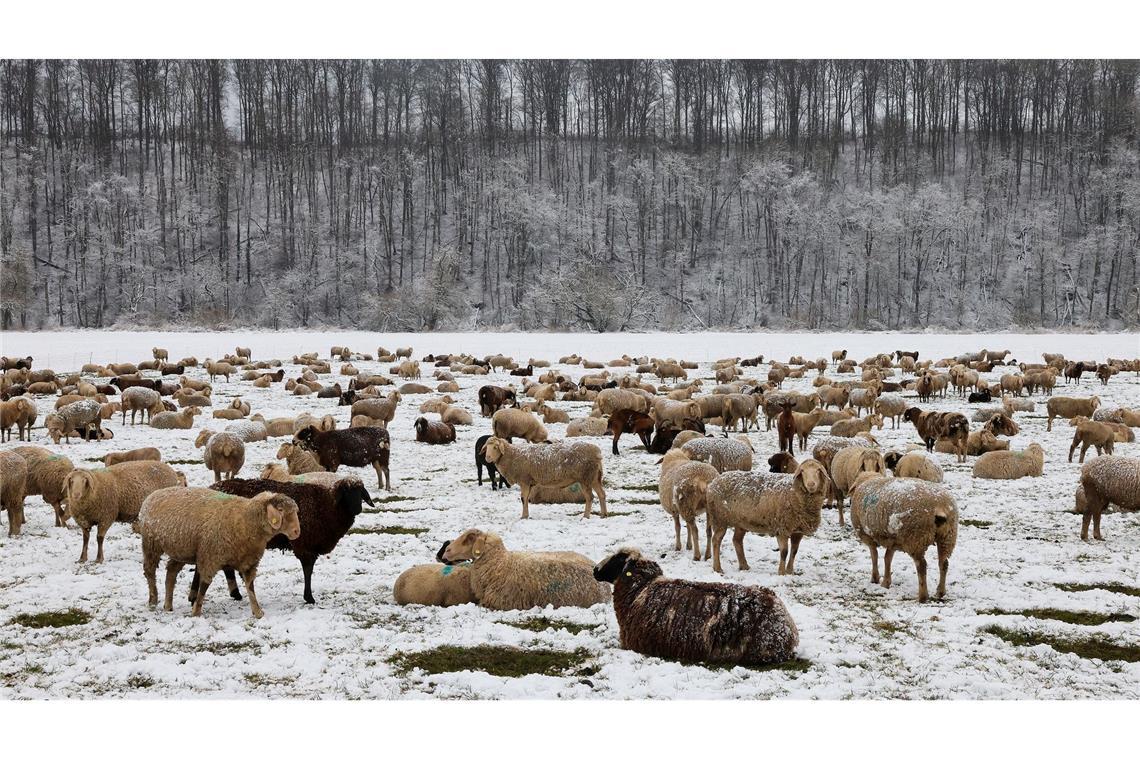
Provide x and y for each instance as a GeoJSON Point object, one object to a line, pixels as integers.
{"type": "Point", "coordinates": [492, 471]}
{"type": "Point", "coordinates": [428, 431]}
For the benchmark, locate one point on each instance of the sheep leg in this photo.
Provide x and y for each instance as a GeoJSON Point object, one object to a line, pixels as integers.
{"type": "Point", "coordinates": [920, 567]}
{"type": "Point", "coordinates": [248, 576]}
{"type": "Point", "coordinates": [87, 536]}
{"type": "Point", "coordinates": [888, 556]}
{"type": "Point", "coordinates": [696, 537]}
{"type": "Point", "coordinates": [715, 541]}
{"type": "Point", "coordinates": [1073, 448]}
{"type": "Point", "coordinates": [231, 583]}
{"type": "Point", "coordinates": [1085, 520]}
{"type": "Point", "coordinates": [203, 584]}
{"type": "Point", "coordinates": [1096, 526]}
{"type": "Point", "coordinates": [783, 542]}
{"type": "Point", "coordinates": [601, 492]}
{"type": "Point", "coordinates": [60, 518]}
{"type": "Point", "coordinates": [943, 568]}
{"type": "Point", "coordinates": [839, 503]}
{"type": "Point", "coordinates": [677, 531]}
{"type": "Point", "coordinates": [525, 493]}
{"type": "Point", "coordinates": [874, 563]}
{"type": "Point", "coordinates": [173, 566]}
{"type": "Point", "coordinates": [617, 436]}
{"type": "Point", "coordinates": [102, 533]}
{"type": "Point", "coordinates": [195, 582]}
{"type": "Point", "coordinates": [795, 547]}
{"type": "Point", "coordinates": [150, 565]}
{"type": "Point", "coordinates": [738, 544]}
{"type": "Point", "coordinates": [307, 563]}
{"type": "Point", "coordinates": [708, 538]}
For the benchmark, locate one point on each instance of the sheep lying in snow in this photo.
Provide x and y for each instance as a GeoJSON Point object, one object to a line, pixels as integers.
{"type": "Point", "coordinates": [906, 514]}
{"type": "Point", "coordinates": [785, 506]}
{"type": "Point", "coordinates": [436, 585]}
{"type": "Point", "coordinates": [589, 426]}
{"type": "Point", "coordinates": [914, 464]}
{"type": "Point", "coordinates": [693, 621]}
{"type": "Point", "coordinates": [1108, 480]}
{"type": "Point", "coordinates": [298, 460]}
{"type": "Point", "coordinates": [509, 580]}
{"type": "Point", "coordinates": [682, 487]}
{"type": "Point", "coordinates": [13, 485]}
{"type": "Point", "coordinates": [555, 464]}
{"type": "Point", "coordinates": [183, 420]}
{"type": "Point", "coordinates": [1009, 465]}
{"type": "Point", "coordinates": [433, 432]}
{"type": "Point", "coordinates": [47, 474]}
{"type": "Point", "coordinates": [212, 531]}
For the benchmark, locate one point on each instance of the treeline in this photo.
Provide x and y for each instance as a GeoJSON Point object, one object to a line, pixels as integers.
{"type": "Point", "coordinates": [600, 195]}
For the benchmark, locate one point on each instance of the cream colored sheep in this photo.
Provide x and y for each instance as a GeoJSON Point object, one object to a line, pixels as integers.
{"type": "Point", "coordinates": [249, 431]}
{"type": "Point", "coordinates": [788, 507]}
{"type": "Point", "coordinates": [847, 464]}
{"type": "Point", "coordinates": [681, 488]}
{"type": "Point", "coordinates": [277, 427]}
{"type": "Point", "coordinates": [435, 585]}
{"type": "Point", "coordinates": [850, 428]}
{"type": "Point", "coordinates": [47, 474]}
{"type": "Point", "coordinates": [224, 453]}
{"type": "Point", "coordinates": [891, 406]}
{"type": "Point", "coordinates": [509, 580]}
{"type": "Point", "coordinates": [434, 405]}
{"type": "Point", "coordinates": [212, 531]}
{"type": "Point", "coordinates": [588, 426]}
{"type": "Point", "coordinates": [805, 424]}
{"type": "Point", "coordinates": [908, 515]}
{"type": "Point", "coordinates": [555, 464]}
{"type": "Point", "coordinates": [1090, 433]}
{"type": "Point", "coordinates": [914, 464]}
{"type": "Point", "coordinates": [299, 460]}
{"type": "Point", "coordinates": [510, 423]}
{"type": "Point", "coordinates": [610, 400]}
{"type": "Point", "coordinates": [724, 454]}
{"type": "Point", "coordinates": [213, 369]}
{"type": "Point", "coordinates": [1067, 407]}
{"type": "Point", "coordinates": [13, 489]}
{"type": "Point", "coordinates": [16, 411]}
{"type": "Point", "coordinates": [550, 415]}
{"type": "Point", "coordinates": [100, 498]}
{"type": "Point", "coordinates": [183, 420]}
{"type": "Point", "coordinates": [1108, 480]}
{"type": "Point", "coordinates": [1009, 465]}
{"type": "Point", "coordinates": [691, 435]}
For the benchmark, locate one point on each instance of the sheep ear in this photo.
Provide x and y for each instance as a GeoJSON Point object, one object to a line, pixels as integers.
{"type": "Point", "coordinates": [275, 516]}
{"type": "Point", "coordinates": [366, 496]}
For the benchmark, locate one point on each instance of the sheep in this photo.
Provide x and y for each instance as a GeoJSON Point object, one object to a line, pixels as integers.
{"type": "Point", "coordinates": [934, 425]}
{"type": "Point", "coordinates": [835, 396]}
{"type": "Point", "coordinates": [409, 389]}
{"type": "Point", "coordinates": [298, 460]}
{"type": "Point", "coordinates": [47, 473]}
{"type": "Point", "coordinates": [862, 398]}
{"type": "Point", "coordinates": [100, 498]}
{"type": "Point", "coordinates": [428, 431]}
{"type": "Point", "coordinates": [187, 398]}
{"type": "Point", "coordinates": [305, 420]}
{"type": "Point", "coordinates": [846, 466]}
{"type": "Point", "coordinates": [1091, 433]}
{"type": "Point", "coordinates": [1009, 465]}
{"type": "Point", "coordinates": [978, 442]}
{"type": "Point", "coordinates": [587, 426]}
{"type": "Point", "coordinates": [805, 424]}
{"type": "Point", "coordinates": [1011, 404]}
{"type": "Point", "coordinates": [1108, 480]}
{"type": "Point", "coordinates": [556, 464]}
{"type": "Point", "coordinates": [355, 447]}
{"type": "Point", "coordinates": [1068, 407]}
{"type": "Point", "coordinates": [409, 370]}
{"type": "Point", "coordinates": [146, 400]}
{"type": "Point", "coordinates": [492, 398]}
{"type": "Point", "coordinates": [13, 489]}
{"type": "Point", "coordinates": [213, 369]}
{"type": "Point", "coordinates": [249, 431]}
{"type": "Point", "coordinates": [630, 421]}
{"type": "Point", "coordinates": [493, 473]}
{"type": "Point", "coordinates": [437, 585]}
{"type": "Point", "coordinates": [914, 464]}
{"type": "Point", "coordinates": [681, 488]}
{"type": "Point", "coordinates": [891, 406]}
{"type": "Point", "coordinates": [224, 453]}
{"type": "Point", "coordinates": [244, 353]}
{"type": "Point", "coordinates": [211, 531]}
{"type": "Point", "coordinates": [691, 621]}
{"type": "Point", "coordinates": [510, 580]}
{"type": "Point", "coordinates": [183, 420]}
{"type": "Point", "coordinates": [276, 427]}
{"type": "Point", "coordinates": [145, 454]}
{"type": "Point", "coordinates": [509, 423]}
{"type": "Point", "coordinates": [76, 417]}
{"type": "Point", "coordinates": [724, 454]}
{"type": "Point", "coordinates": [788, 507]}
{"type": "Point", "coordinates": [436, 405]}
{"type": "Point", "coordinates": [906, 514]}
{"type": "Point", "coordinates": [609, 400]}
{"type": "Point", "coordinates": [852, 427]}
{"type": "Point", "coordinates": [550, 415]}
{"type": "Point", "coordinates": [325, 512]}
{"type": "Point", "coordinates": [20, 412]}
{"type": "Point", "coordinates": [454, 415]}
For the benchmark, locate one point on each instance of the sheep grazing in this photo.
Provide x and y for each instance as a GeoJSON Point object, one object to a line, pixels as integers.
{"type": "Point", "coordinates": [224, 453]}
{"type": "Point", "coordinates": [326, 512]}
{"type": "Point", "coordinates": [435, 585]}
{"type": "Point", "coordinates": [847, 465]}
{"type": "Point", "coordinates": [1010, 465]}
{"type": "Point", "coordinates": [914, 464]}
{"type": "Point", "coordinates": [20, 412]}
{"type": "Point", "coordinates": [1108, 480]}
{"type": "Point", "coordinates": [691, 621]}
{"type": "Point", "coordinates": [212, 531]}
{"type": "Point", "coordinates": [1069, 407]}
{"type": "Point", "coordinates": [492, 398]}
{"type": "Point", "coordinates": [510, 423]}
{"type": "Point", "coordinates": [183, 420]}
{"type": "Point", "coordinates": [429, 431]}
{"type": "Point", "coordinates": [509, 580]}
{"type": "Point", "coordinates": [891, 406]}
{"type": "Point", "coordinates": [934, 425]}
{"type": "Point", "coordinates": [145, 454]}
{"type": "Point", "coordinates": [100, 498]}
{"type": "Point", "coordinates": [1090, 433]}
{"type": "Point", "coordinates": [355, 447]}
{"type": "Point", "coordinates": [724, 454]}
{"type": "Point", "coordinates": [681, 487]}
{"type": "Point", "coordinates": [13, 489]}
{"type": "Point", "coordinates": [783, 462]}
{"type": "Point", "coordinates": [79, 417]}
{"type": "Point", "coordinates": [556, 465]}
{"type": "Point", "coordinates": [587, 426]}
{"type": "Point", "coordinates": [908, 515]}
{"type": "Point", "coordinates": [630, 421]}
{"type": "Point", "coordinates": [47, 474]}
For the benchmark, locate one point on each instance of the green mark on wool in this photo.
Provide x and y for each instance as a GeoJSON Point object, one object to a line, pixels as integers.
{"type": "Point", "coordinates": [1090, 648]}
{"type": "Point", "coordinates": [507, 662]}
{"type": "Point", "coordinates": [1115, 588]}
{"type": "Point", "coordinates": [446, 570]}
{"type": "Point", "coordinates": [63, 619]}
{"type": "Point", "coordinates": [1075, 617]}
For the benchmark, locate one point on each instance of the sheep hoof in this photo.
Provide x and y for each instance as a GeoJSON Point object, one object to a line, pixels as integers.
{"type": "Point", "coordinates": [310, 600]}
{"type": "Point", "coordinates": [235, 595]}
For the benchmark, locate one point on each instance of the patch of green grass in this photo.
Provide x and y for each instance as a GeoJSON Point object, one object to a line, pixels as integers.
{"type": "Point", "coordinates": [647, 487]}
{"type": "Point", "coordinates": [389, 530]}
{"type": "Point", "coordinates": [56, 619]}
{"type": "Point", "coordinates": [1076, 617]}
{"type": "Point", "coordinates": [641, 501]}
{"type": "Point", "coordinates": [230, 647]}
{"type": "Point", "coordinates": [139, 681]}
{"type": "Point", "coordinates": [180, 461]}
{"type": "Point", "coordinates": [259, 679]}
{"type": "Point", "coordinates": [509, 662]}
{"type": "Point", "coordinates": [888, 627]}
{"type": "Point", "coordinates": [1097, 649]}
{"type": "Point", "coordinates": [539, 624]}
{"type": "Point", "coordinates": [1115, 588]}
{"type": "Point", "coordinates": [976, 523]}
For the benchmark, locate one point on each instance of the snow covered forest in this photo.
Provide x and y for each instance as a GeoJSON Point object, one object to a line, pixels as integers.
{"type": "Point", "coordinates": [570, 194]}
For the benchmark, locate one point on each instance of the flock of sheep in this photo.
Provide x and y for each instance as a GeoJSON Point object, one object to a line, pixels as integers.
{"type": "Point", "coordinates": [694, 427]}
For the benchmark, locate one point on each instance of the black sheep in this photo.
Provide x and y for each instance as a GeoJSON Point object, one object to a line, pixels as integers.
{"type": "Point", "coordinates": [326, 514]}
{"type": "Point", "coordinates": [693, 621]}
{"type": "Point", "coordinates": [353, 447]}
{"type": "Point", "coordinates": [492, 471]}
{"type": "Point", "coordinates": [980, 397]}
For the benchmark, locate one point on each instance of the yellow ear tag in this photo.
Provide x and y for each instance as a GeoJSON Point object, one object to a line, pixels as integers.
{"type": "Point", "coordinates": [476, 552]}
{"type": "Point", "coordinates": [628, 573]}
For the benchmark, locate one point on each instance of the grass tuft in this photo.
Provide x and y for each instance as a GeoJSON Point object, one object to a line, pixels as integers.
{"type": "Point", "coordinates": [539, 624]}
{"type": "Point", "coordinates": [1090, 649]}
{"type": "Point", "coordinates": [1076, 617]}
{"type": "Point", "coordinates": [509, 662]}
{"type": "Point", "coordinates": [1115, 588]}
{"type": "Point", "coordinates": [976, 523]}
{"type": "Point", "coordinates": [389, 530]}
{"type": "Point", "coordinates": [139, 681]}
{"type": "Point", "coordinates": [57, 619]}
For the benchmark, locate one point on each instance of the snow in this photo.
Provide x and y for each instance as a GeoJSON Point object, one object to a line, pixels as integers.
{"type": "Point", "coordinates": [862, 640]}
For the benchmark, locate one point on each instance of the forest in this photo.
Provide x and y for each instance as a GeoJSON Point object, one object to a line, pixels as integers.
{"type": "Point", "coordinates": [595, 195]}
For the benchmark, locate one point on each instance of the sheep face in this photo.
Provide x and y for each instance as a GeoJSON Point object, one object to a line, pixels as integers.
{"type": "Point", "coordinates": [469, 546]}
{"type": "Point", "coordinates": [351, 494]}
{"type": "Point", "coordinates": [812, 477]}
{"type": "Point", "coordinates": [613, 566]}
{"type": "Point", "coordinates": [891, 459]}
{"type": "Point", "coordinates": [305, 438]}
{"type": "Point", "coordinates": [494, 449]}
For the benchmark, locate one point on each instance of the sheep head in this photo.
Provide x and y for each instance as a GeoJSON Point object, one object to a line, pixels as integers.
{"type": "Point", "coordinates": [811, 477]}
{"type": "Point", "coordinates": [305, 438]}
{"type": "Point", "coordinates": [469, 546]}
{"type": "Point", "coordinates": [625, 562]}
{"type": "Point", "coordinates": [280, 514]}
{"type": "Point", "coordinates": [351, 494]}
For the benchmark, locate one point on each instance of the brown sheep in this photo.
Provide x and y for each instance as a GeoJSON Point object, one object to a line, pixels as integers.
{"type": "Point", "coordinates": [1090, 433]}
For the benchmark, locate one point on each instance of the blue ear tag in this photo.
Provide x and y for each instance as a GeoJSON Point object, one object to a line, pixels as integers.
{"type": "Point", "coordinates": [447, 569]}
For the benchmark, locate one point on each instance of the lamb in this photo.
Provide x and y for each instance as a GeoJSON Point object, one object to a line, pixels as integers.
{"type": "Point", "coordinates": [1091, 433]}
{"type": "Point", "coordinates": [355, 447]}
{"type": "Point", "coordinates": [718, 623]}
{"type": "Point", "coordinates": [556, 464]}
{"type": "Point", "coordinates": [211, 531]}
{"type": "Point", "coordinates": [786, 427]}
{"type": "Point", "coordinates": [145, 454]}
{"type": "Point", "coordinates": [213, 369]}
{"type": "Point", "coordinates": [630, 421]}
{"type": "Point", "coordinates": [1009, 465]}
{"type": "Point", "coordinates": [587, 426]}
{"type": "Point", "coordinates": [224, 453]}
{"type": "Point", "coordinates": [436, 585]}
{"type": "Point", "coordinates": [550, 415]}
{"type": "Point", "coordinates": [100, 498]}
{"type": "Point", "coordinates": [846, 466]}
{"type": "Point", "coordinates": [47, 474]}
{"type": "Point", "coordinates": [914, 464]}
{"type": "Point", "coordinates": [13, 489]}
{"type": "Point", "coordinates": [1069, 407]}
{"type": "Point", "coordinates": [891, 406]}
{"type": "Point", "coordinates": [325, 512]}
{"type": "Point", "coordinates": [20, 412]}
{"type": "Point", "coordinates": [725, 454]}
{"type": "Point", "coordinates": [146, 400]}
{"type": "Point", "coordinates": [1108, 480]}
{"type": "Point", "coordinates": [850, 428]}
{"type": "Point", "coordinates": [508, 580]}
{"type": "Point", "coordinates": [897, 513]}
{"type": "Point", "coordinates": [77, 417]}
{"type": "Point", "coordinates": [183, 420]}
{"type": "Point", "coordinates": [509, 423]}
{"type": "Point", "coordinates": [428, 431]}
{"type": "Point", "coordinates": [681, 488]}
{"type": "Point", "coordinates": [493, 473]}
{"type": "Point", "coordinates": [786, 506]}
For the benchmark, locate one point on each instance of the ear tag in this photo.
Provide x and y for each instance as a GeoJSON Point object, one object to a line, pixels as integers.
{"type": "Point", "coordinates": [476, 552]}
{"type": "Point", "coordinates": [629, 573]}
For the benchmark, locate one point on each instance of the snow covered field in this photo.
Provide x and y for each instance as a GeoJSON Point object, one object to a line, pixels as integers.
{"type": "Point", "coordinates": [1018, 549]}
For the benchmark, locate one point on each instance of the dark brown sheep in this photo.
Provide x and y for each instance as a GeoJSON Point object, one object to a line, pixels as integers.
{"type": "Point", "coordinates": [630, 421]}
{"type": "Point", "coordinates": [429, 431]}
{"type": "Point", "coordinates": [492, 398]}
{"type": "Point", "coordinates": [783, 462]}
{"type": "Point", "coordinates": [786, 427]}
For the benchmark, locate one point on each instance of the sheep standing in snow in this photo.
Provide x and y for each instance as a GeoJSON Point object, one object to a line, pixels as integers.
{"type": "Point", "coordinates": [555, 464]}
{"type": "Point", "coordinates": [682, 488]}
{"type": "Point", "coordinates": [1108, 480]}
